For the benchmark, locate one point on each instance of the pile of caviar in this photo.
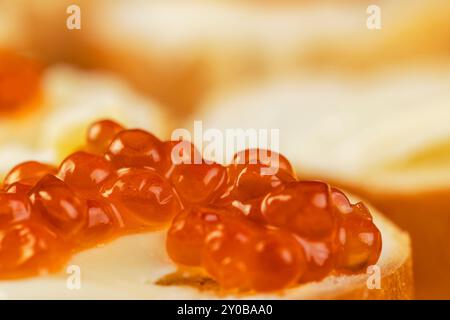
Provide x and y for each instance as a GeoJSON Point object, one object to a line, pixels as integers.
{"type": "Point", "coordinates": [251, 225]}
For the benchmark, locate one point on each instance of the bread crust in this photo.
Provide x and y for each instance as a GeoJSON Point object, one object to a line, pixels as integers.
{"type": "Point", "coordinates": [397, 285]}
{"type": "Point", "coordinates": [426, 216]}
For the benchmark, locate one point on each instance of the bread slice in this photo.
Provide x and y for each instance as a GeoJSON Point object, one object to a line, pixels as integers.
{"type": "Point", "coordinates": [386, 137]}
{"type": "Point", "coordinates": [137, 267]}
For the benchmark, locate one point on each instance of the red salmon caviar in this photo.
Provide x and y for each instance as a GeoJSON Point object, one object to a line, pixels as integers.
{"type": "Point", "coordinates": [250, 208]}
{"type": "Point", "coordinates": [359, 241]}
{"type": "Point", "coordinates": [226, 254]}
{"type": "Point", "coordinates": [85, 172]}
{"type": "Point", "coordinates": [29, 173]}
{"type": "Point", "coordinates": [143, 196]}
{"type": "Point", "coordinates": [179, 152]}
{"type": "Point", "coordinates": [135, 148]}
{"type": "Point", "coordinates": [100, 134]}
{"type": "Point", "coordinates": [319, 259]}
{"type": "Point", "coordinates": [199, 183]}
{"type": "Point", "coordinates": [103, 222]}
{"type": "Point", "coordinates": [266, 158]}
{"type": "Point", "coordinates": [340, 201]}
{"type": "Point", "coordinates": [249, 188]}
{"type": "Point", "coordinates": [302, 207]}
{"type": "Point", "coordinates": [361, 211]}
{"type": "Point", "coordinates": [187, 233]}
{"type": "Point", "coordinates": [251, 225]}
{"type": "Point", "coordinates": [60, 206]}
{"type": "Point", "coordinates": [251, 184]}
{"type": "Point", "coordinates": [244, 249]}
{"type": "Point", "coordinates": [18, 187]}
{"type": "Point", "coordinates": [277, 261]}
{"type": "Point", "coordinates": [14, 208]}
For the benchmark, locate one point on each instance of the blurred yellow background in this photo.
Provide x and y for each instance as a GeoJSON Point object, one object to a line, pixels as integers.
{"type": "Point", "coordinates": [368, 109]}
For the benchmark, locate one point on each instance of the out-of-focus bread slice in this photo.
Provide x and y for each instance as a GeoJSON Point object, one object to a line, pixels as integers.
{"type": "Point", "coordinates": [178, 50]}
{"type": "Point", "coordinates": [70, 101]}
{"type": "Point", "coordinates": [137, 267]}
{"type": "Point", "coordinates": [196, 46]}
{"type": "Point", "coordinates": [386, 137]}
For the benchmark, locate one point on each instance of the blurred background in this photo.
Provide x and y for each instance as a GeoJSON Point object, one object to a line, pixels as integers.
{"type": "Point", "coordinates": [367, 109]}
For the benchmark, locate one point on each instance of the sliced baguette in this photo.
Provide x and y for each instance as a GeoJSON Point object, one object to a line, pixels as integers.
{"type": "Point", "coordinates": [70, 101]}
{"type": "Point", "coordinates": [137, 267]}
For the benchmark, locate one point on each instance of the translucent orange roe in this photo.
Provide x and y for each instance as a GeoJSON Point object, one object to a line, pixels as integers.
{"type": "Point", "coordinates": [251, 225]}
